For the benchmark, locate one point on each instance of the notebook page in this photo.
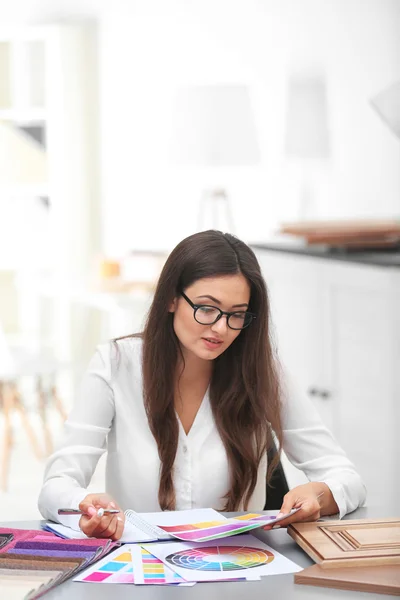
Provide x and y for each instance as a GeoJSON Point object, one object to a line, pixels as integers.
{"type": "Point", "coordinates": [131, 533]}
{"type": "Point", "coordinates": [181, 517]}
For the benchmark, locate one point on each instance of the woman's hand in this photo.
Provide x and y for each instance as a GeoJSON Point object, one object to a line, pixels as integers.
{"type": "Point", "coordinates": [106, 526]}
{"type": "Point", "coordinates": [314, 499]}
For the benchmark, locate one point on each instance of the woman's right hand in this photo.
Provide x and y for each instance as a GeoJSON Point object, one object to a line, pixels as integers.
{"type": "Point", "coordinates": [107, 526]}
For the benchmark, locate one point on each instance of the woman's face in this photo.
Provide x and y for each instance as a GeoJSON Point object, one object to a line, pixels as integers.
{"type": "Point", "coordinates": [229, 293]}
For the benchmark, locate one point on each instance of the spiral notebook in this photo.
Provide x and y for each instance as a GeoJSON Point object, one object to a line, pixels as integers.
{"type": "Point", "coordinates": [140, 527]}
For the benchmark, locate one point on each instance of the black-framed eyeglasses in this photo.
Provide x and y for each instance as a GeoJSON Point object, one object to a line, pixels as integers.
{"type": "Point", "coordinates": [208, 315]}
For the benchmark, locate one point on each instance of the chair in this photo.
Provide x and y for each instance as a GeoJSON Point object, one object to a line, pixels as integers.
{"type": "Point", "coordinates": [277, 486]}
{"type": "Point", "coordinates": [18, 362]}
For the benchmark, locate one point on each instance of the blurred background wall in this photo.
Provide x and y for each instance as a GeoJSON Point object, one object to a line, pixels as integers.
{"type": "Point", "coordinates": [148, 49]}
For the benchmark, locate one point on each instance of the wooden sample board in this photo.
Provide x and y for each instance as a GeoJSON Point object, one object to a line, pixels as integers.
{"type": "Point", "coordinates": [355, 234]}
{"type": "Point", "coordinates": [362, 554]}
{"type": "Point", "coordinates": [382, 579]}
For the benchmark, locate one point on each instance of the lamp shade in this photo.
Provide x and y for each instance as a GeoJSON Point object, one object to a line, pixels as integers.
{"type": "Point", "coordinates": [387, 105]}
{"type": "Point", "coordinates": [22, 159]}
{"type": "Point", "coordinates": [307, 134]}
{"type": "Point", "coordinates": [214, 126]}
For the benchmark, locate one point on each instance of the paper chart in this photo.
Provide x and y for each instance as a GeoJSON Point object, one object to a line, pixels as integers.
{"type": "Point", "coordinates": [212, 530]}
{"type": "Point", "coordinates": [149, 570]}
{"type": "Point", "coordinates": [116, 567]}
{"type": "Point", "coordinates": [223, 559]}
{"type": "Point", "coordinates": [131, 564]}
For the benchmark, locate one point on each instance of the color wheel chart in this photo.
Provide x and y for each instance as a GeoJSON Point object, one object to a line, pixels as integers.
{"type": "Point", "coordinates": [220, 558]}
{"type": "Point", "coordinates": [115, 568]}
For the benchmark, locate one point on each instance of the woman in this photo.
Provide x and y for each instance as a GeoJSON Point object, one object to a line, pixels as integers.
{"type": "Point", "coordinates": [187, 408]}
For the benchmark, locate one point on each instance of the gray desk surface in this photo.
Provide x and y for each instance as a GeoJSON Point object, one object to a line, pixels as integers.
{"type": "Point", "coordinates": [279, 586]}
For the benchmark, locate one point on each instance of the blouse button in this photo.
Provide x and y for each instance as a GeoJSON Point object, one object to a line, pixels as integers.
{"type": "Point", "coordinates": [184, 449]}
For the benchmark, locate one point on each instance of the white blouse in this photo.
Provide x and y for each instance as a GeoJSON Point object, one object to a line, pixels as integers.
{"type": "Point", "coordinates": [109, 415]}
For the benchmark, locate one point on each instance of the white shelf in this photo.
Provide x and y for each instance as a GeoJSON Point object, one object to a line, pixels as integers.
{"type": "Point", "coordinates": [24, 189]}
{"type": "Point", "coordinates": [23, 116]}
{"type": "Point", "coordinates": [48, 77]}
{"type": "Point", "coordinates": [24, 33]}
{"type": "Point", "coordinates": [23, 74]}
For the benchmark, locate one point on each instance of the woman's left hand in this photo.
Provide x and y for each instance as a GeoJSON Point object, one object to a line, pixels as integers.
{"type": "Point", "coordinates": [311, 498]}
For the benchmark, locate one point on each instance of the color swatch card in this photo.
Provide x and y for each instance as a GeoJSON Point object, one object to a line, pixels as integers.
{"type": "Point", "coordinates": [39, 561]}
{"type": "Point", "coordinates": [222, 559]}
{"type": "Point", "coordinates": [221, 528]}
{"type": "Point", "coordinates": [10, 537]}
{"type": "Point", "coordinates": [27, 584]}
{"type": "Point", "coordinates": [37, 542]}
{"type": "Point", "coordinates": [116, 567]}
{"type": "Point", "coordinates": [5, 538]}
{"type": "Point", "coordinates": [131, 564]}
{"type": "Point", "coordinates": [149, 570]}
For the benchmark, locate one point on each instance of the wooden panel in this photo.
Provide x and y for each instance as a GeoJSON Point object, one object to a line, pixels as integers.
{"type": "Point", "coordinates": [344, 227]}
{"type": "Point", "coordinates": [347, 234]}
{"type": "Point", "coordinates": [360, 542]}
{"type": "Point", "coordinates": [384, 534]}
{"type": "Point", "coordinates": [383, 579]}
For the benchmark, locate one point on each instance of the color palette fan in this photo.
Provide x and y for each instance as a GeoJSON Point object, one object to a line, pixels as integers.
{"type": "Point", "coordinates": [207, 531]}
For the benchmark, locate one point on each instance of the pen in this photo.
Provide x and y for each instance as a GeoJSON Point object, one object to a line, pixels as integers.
{"type": "Point", "coordinates": [319, 495]}
{"type": "Point", "coordinates": [76, 511]}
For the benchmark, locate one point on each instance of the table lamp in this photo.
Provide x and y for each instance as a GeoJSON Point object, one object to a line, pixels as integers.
{"type": "Point", "coordinates": [213, 126]}
{"type": "Point", "coordinates": [387, 105]}
{"type": "Point", "coordinates": [307, 135]}
{"type": "Point", "coordinates": [22, 159]}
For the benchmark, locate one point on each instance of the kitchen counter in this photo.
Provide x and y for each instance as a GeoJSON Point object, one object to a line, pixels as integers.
{"type": "Point", "coordinates": [389, 258]}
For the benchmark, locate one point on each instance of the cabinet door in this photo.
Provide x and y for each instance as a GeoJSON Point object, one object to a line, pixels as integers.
{"type": "Point", "coordinates": [361, 350]}
{"type": "Point", "coordinates": [296, 297]}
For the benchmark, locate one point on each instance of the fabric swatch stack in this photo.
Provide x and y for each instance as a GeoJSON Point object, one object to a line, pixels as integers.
{"type": "Point", "coordinates": [34, 561]}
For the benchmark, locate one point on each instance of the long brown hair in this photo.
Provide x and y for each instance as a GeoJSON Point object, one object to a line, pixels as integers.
{"type": "Point", "coordinates": [244, 387]}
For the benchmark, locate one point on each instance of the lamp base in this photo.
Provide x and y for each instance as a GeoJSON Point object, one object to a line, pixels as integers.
{"type": "Point", "coordinates": [215, 211]}
{"type": "Point", "coordinates": [307, 209]}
